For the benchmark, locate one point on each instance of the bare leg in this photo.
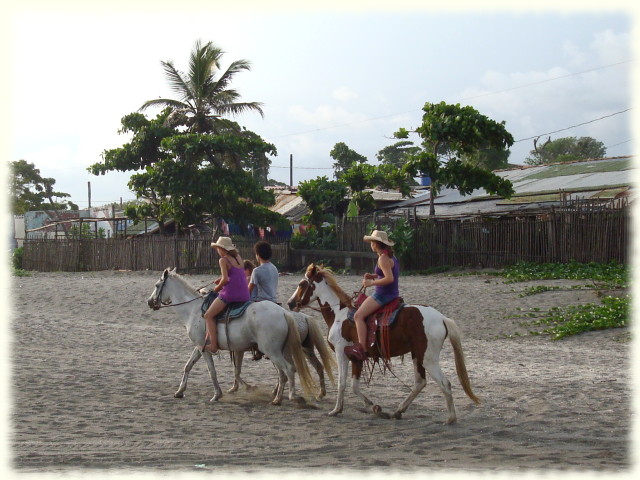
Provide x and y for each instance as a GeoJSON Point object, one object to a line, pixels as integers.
{"type": "Point", "coordinates": [367, 308]}
{"type": "Point", "coordinates": [211, 338]}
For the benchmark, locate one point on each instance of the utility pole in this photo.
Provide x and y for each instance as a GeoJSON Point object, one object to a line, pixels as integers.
{"type": "Point", "coordinates": [89, 191]}
{"type": "Point", "coordinates": [291, 171]}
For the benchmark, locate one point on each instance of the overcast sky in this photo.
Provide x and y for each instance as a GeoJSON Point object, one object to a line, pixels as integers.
{"type": "Point", "coordinates": [324, 76]}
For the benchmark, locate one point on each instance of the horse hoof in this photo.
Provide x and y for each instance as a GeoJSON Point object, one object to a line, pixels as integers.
{"type": "Point", "coordinates": [215, 398]}
{"type": "Point", "coordinates": [333, 413]}
{"type": "Point", "coordinates": [397, 415]}
{"type": "Point", "coordinates": [450, 421]}
{"type": "Point", "coordinates": [276, 402]}
{"type": "Point", "coordinates": [178, 395]}
{"type": "Point", "coordinates": [379, 413]}
{"type": "Point", "coordinates": [300, 400]}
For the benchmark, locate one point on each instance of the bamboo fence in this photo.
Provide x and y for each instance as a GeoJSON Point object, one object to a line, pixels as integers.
{"type": "Point", "coordinates": [584, 233]}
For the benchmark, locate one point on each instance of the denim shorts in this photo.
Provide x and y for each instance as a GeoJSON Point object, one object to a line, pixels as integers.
{"type": "Point", "coordinates": [383, 299]}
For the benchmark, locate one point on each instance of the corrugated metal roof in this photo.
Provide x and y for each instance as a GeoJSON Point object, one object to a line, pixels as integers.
{"type": "Point", "coordinates": [537, 187]}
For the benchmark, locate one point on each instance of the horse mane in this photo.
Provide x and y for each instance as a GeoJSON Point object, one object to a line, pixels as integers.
{"type": "Point", "coordinates": [184, 281]}
{"type": "Point", "coordinates": [327, 274]}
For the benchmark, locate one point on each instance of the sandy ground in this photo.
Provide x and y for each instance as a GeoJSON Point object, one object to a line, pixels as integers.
{"type": "Point", "coordinates": [94, 370]}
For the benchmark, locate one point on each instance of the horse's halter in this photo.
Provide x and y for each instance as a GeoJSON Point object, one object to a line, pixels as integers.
{"type": "Point", "coordinates": [304, 294]}
{"type": "Point", "coordinates": [158, 304]}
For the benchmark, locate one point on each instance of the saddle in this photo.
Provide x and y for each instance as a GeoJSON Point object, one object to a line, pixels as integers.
{"type": "Point", "coordinates": [379, 323]}
{"type": "Point", "coordinates": [231, 311]}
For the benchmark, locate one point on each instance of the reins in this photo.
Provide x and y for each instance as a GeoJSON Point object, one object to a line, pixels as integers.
{"type": "Point", "coordinates": [159, 303]}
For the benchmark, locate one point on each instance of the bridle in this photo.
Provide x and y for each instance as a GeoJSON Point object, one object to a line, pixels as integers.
{"type": "Point", "coordinates": [158, 304]}
{"type": "Point", "coordinates": [299, 305]}
{"type": "Point", "coordinates": [309, 285]}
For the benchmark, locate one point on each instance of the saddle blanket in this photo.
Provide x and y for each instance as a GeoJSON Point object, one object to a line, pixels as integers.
{"type": "Point", "coordinates": [233, 310]}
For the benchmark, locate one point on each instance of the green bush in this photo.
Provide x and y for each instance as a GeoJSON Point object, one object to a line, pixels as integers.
{"type": "Point", "coordinates": [16, 258]}
{"type": "Point", "coordinates": [323, 238]}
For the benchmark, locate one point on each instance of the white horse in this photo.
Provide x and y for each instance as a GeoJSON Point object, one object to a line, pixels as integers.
{"type": "Point", "coordinates": [417, 329]}
{"type": "Point", "coordinates": [265, 324]}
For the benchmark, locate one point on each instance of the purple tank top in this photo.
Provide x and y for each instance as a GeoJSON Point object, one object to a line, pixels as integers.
{"type": "Point", "coordinates": [390, 289]}
{"type": "Point", "coordinates": [237, 289]}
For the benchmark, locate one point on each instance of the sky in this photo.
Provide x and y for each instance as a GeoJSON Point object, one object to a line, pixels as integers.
{"type": "Point", "coordinates": [324, 75]}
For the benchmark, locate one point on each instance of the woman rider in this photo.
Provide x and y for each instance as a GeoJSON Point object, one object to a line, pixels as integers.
{"type": "Point", "coordinates": [232, 287]}
{"type": "Point", "coordinates": [385, 280]}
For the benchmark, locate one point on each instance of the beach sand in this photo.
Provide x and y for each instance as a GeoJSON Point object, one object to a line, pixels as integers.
{"type": "Point", "coordinates": [93, 371]}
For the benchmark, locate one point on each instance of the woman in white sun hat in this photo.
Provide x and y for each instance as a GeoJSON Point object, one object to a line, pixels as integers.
{"type": "Point", "coordinates": [232, 287]}
{"type": "Point", "coordinates": [385, 279]}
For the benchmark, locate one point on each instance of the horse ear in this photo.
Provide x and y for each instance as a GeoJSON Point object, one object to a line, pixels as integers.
{"type": "Point", "coordinates": [175, 269]}
{"type": "Point", "coordinates": [165, 274]}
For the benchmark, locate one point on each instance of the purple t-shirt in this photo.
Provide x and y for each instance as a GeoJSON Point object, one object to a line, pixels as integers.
{"type": "Point", "coordinates": [390, 289]}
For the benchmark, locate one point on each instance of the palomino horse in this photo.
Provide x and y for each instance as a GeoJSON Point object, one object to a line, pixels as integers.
{"type": "Point", "coordinates": [265, 324]}
{"type": "Point", "coordinates": [417, 329]}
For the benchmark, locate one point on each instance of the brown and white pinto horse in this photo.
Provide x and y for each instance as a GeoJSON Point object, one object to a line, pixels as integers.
{"type": "Point", "coordinates": [418, 330]}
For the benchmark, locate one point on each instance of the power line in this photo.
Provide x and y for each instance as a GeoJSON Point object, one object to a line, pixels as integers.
{"type": "Point", "coordinates": [465, 98]}
{"type": "Point", "coordinates": [620, 143]}
{"type": "Point", "coordinates": [573, 126]}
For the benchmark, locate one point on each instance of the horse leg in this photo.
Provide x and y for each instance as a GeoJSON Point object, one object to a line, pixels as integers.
{"type": "Point", "coordinates": [419, 382]}
{"type": "Point", "coordinates": [195, 356]}
{"type": "Point", "coordinates": [237, 369]}
{"type": "Point", "coordinates": [279, 388]}
{"type": "Point", "coordinates": [212, 372]}
{"type": "Point", "coordinates": [343, 366]}
{"type": "Point", "coordinates": [356, 370]}
{"type": "Point", "coordinates": [315, 363]}
{"type": "Point", "coordinates": [287, 373]}
{"type": "Point", "coordinates": [433, 367]}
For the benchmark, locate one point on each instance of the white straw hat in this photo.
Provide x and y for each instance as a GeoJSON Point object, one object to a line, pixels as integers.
{"type": "Point", "coordinates": [380, 236]}
{"type": "Point", "coordinates": [224, 242]}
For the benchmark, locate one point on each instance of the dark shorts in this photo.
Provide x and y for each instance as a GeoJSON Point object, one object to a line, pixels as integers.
{"type": "Point", "coordinates": [383, 299]}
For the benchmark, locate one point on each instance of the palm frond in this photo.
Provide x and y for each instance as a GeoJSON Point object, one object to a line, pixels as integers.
{"type": "Point", "coordinates": [163, 102]}
{"type": "Point", "coordinates": [178, 82]}
{"type": "Point", "coordinates": [235, 67]}
{"type": "Point", "coordinates": [203, 64]}
{"type": "Point", "coordinates": [238, 108]}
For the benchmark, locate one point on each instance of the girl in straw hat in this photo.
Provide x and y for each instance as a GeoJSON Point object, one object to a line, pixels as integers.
{"type": "Point", "coordinates": [385, 279]}
{"type": "Point", "coordinates": [232, 287]}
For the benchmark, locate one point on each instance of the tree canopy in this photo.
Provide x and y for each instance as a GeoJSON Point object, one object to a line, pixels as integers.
{"type": "Point", "coordinates": [184, 176]}
{"type": "Point", "coordinates": [448, 134]}
{"type": "Point", "coordinates": [189, 161]}
{"type": "Point", "coordinates": [345, 158]}
{"type": "Point", "coordinates": [565, 149]}
{"type": "Point", "coordinates": [29, 191]}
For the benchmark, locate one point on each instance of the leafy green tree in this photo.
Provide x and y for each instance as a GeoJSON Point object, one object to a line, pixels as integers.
{"type": "Point", "coordinates": [397, 153]}
{"type": "Point", "coordinates": [489, 158]}
{"type": "Point", "coordinates": [183, 176]}
{"type": "Point", "coordinates": [366, 176]}
{"type": "Point", "coordinates": [323, 196]}
{"type": "Point", "coordinates": [30, 191]}
{"type": "Point", "coordinates": [204, 92]}
{"type": "Point", "coordinates": [345, 158]}
{"type": "Point", "coordinates": [565, 149]}
{"type": "Point", "coordinates": [463, 131]}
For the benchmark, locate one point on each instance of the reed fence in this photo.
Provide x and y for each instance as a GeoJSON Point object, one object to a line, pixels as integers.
{"type": "Point", "coordinates": [586, 233]}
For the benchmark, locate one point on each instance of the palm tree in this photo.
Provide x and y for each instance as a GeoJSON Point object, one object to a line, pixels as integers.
{"type": "Point", "coordinates": [203, 99]}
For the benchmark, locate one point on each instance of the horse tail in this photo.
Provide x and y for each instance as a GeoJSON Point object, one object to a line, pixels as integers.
{"type": "Point", "coordinates": [294, 344]}
{"type": "Point", "coordinates": [461, 368]}
{"type": "Point", "coordinates": [327, 357]}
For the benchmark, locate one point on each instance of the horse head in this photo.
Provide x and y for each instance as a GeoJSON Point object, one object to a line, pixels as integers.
{"type": "Point", "coordinates": [318, 284]}
{"type": "Point", "coordinates": [159, 296]}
